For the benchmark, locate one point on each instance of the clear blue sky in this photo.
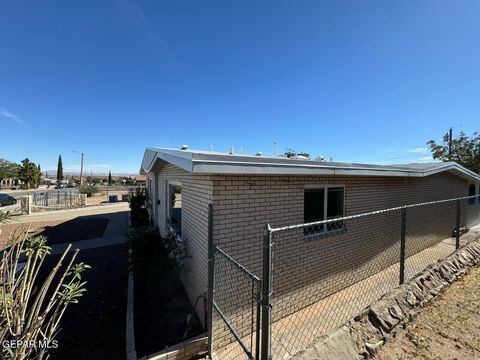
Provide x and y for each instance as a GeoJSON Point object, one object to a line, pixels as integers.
{"type": "Point", "coordinates": [364, 81]}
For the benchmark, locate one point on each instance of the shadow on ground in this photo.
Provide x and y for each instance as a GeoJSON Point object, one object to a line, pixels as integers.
{"type": "Point", "coordinates": [80, 228]}
{"type": "Point", "coordinates": [94, 328]}
{"type": "Point", "coordinates": [161, 302]}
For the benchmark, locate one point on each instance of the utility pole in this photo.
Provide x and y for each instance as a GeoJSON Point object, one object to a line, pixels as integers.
{"type": "Point", "coordinates": [448, 138]}
{"type": "Point", "coordinates": [81, 172]}
{"type": "Point", "coordinates": [81, 167]}
{"type": "Point", "coordinates": [450, 144]}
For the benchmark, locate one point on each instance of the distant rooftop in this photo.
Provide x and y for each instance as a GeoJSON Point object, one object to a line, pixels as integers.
{"type": "Point", "coordinates": [209, 162]}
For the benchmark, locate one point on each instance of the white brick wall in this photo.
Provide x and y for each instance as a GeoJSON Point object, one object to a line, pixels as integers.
{"type": "Point", "coordinates": [243, 204]}
{"type": "Point", "coordinates": [196, 195]}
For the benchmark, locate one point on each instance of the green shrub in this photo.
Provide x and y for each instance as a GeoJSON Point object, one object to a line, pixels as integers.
{"type": "Point", "coordinates": [138, 207]}
{"type": "Point", "coordinates": [89, 190]}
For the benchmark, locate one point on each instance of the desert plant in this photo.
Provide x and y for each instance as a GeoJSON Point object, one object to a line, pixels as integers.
{"type": "Point", "coordinates": [5, 216]}
{"type": "Point", "coordinates": [138, 207]}
{"type": "Point", "coordinates": [30, 308]}
{"type": "Point", "coordinates": [89, 190]}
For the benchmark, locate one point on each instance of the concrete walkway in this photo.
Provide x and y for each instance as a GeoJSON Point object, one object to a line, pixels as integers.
{"type": "Point", "coordinates": [115, 233]}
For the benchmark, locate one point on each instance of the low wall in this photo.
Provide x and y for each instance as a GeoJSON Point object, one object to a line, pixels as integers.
{"type": "Point", "coordinates": [362, 336]}
{"type": "Point", "coordinates": [189, 349]}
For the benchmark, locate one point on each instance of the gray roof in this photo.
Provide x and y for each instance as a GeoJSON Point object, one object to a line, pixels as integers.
{"type": "Point", "coordinates": [208, 162]}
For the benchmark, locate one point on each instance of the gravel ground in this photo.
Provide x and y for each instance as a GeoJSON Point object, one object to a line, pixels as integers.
{"type": "Point", "coordinates": [95, 327]}
{"type": "Point", "coordinates": [161, 302]}
{"type": "Point", "coordinates": [448, 328]}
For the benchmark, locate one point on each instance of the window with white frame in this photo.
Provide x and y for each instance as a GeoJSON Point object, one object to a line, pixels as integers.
{"type": "Point", "coordinates": [174, 207]}
{"type": "Point", "coordinates": [323, 203]}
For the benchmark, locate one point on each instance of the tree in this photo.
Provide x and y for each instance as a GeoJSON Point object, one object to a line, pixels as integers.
{"type": "Point", "coordinates": [59, 169]}
{"type": "Point", "coordinates": [8, 170]}
{"type": "Point", "coordinates": [109, 178]}
{"type": "Point", "coordinates": [465, 151]}
{"type": "Point", "coordinates": [29, 173]}
{"type": "Point", "coordinates": [39, 174]}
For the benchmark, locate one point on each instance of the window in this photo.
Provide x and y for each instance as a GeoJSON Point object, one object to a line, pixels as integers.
{"type": "Point", "coordinates": [471, 192]}
{"type": "Point", "coordinates": [322, 204]}
{"type": "Point", "coordinates": [175, 207]}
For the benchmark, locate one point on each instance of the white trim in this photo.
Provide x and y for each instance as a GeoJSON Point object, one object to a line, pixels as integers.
{"type": "Point", "coordinates": [325, 188]}
{"type": "Point", "coordinates": [205, 162]}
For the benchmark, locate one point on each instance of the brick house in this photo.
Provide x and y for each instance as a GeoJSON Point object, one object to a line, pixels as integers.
{"type": "Point", "coordinates": [249, 191]}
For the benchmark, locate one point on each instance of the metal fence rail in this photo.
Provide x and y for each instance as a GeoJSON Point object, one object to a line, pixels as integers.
{"type": "Point", "coordinates": [57, 200]}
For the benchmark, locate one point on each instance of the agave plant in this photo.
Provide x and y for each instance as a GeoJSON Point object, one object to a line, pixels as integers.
{"type": "Point", "coordinates": [30, 309]}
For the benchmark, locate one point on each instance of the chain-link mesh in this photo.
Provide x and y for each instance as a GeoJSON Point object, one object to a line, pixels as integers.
{"type": "Point", "coordinates": [429, 235]}
{"type": "Point", "coordinates": [324, 273]}
{"type": "Point", "coordinates": [471, 209]}
{"type": "Point", "coordinates": [236, 310]}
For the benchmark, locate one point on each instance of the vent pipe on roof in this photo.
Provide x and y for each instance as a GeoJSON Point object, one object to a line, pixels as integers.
{"type": "Point", "coordinates": [184, 147]}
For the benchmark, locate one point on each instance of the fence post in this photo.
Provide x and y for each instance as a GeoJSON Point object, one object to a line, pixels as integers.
{"type": "Point", "coordinates": [402, 245]}
{"type": "Point", "coordinates": [211, 279]}
{"type": "Point", "coordinates": [258, 320]}
{"type": "Point", "coordinates": [266, 293]}
{"type": "Point", "coordinates": [26, 204]}
{"type": "Point", "coordinates": [457, 227]}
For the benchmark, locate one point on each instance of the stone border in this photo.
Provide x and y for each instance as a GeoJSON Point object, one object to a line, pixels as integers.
{"type": "Point", "coordinates": [362, 336]}
{"type": "Point", "coordinates": [185, 350]}
{"type": "Point", "coordinates": [130, 334]}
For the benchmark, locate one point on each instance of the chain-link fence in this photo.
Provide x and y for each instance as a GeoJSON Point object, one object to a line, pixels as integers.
{"type": "Point", "coordinates": [317, 275]}
{"type": "Point", "coordinates": [324, 273]}
{"type": "Point", "coordinates": [236, 309]}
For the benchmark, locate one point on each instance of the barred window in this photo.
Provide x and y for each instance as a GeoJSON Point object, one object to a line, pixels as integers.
{"type": "Point", "coordinates": [322, 204]}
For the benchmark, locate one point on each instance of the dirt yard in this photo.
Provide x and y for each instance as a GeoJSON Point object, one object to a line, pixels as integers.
{"type": "Point", "coordinates": [102, 197]}
{"type": "Point", "coordinates": [9, 230]}
{"type": "Point", "coordinates": [448, 328]}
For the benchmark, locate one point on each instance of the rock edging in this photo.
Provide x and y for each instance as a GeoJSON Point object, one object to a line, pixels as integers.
{"type": "Point", "coordinates": [362, 336]}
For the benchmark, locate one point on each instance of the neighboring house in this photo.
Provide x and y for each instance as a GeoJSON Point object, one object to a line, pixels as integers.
{"type": "Point", "coordinates": [249, 191]}
{"type": "Point", "coordinates": [8, 183]}
{"type": "Point", "coordinates": [140, 180]}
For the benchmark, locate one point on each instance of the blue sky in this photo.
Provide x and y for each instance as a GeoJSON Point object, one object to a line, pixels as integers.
{"type": "Point", "coordinates": [363, 81]}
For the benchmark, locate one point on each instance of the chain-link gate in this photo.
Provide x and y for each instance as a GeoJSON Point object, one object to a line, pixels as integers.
{"type": "Point", "coordinates": [234, 316]}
